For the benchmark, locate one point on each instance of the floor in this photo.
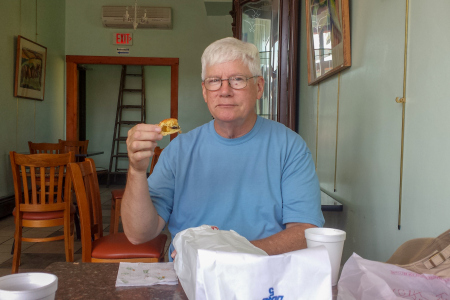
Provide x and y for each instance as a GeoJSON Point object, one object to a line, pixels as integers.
{"type": "Point", "coordinates": [37, 256]}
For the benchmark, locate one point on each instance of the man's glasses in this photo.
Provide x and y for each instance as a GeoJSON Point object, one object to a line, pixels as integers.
{"type": "Point", "coordinates": [235, 82]}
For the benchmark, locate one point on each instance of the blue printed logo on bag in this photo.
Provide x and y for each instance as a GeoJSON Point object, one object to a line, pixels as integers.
{"type": "Point", "coordinates": [272, 296]}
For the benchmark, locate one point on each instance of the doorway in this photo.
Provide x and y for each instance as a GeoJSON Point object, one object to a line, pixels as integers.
{"type": "Point", "coordinates": [72, 81]}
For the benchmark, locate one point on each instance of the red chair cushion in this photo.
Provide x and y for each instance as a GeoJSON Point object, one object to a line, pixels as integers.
{"type": "Point", "coordinates": [117, 246]}
{"type": "Point", "coordinates": [117, 194]}
{"type": "Point", "coordinates": [46, 215]}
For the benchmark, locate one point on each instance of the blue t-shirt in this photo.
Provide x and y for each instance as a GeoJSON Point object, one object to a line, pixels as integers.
{"type": "Point", "coordinates": [253, 184]}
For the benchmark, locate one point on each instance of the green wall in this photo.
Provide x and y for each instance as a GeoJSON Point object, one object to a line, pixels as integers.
{"type": "Point", "coordinates": [192, 31]}
{"type": "Point", "coordinates": [23, 120]}
{"type": "Point", "coordinates": [370, 125]}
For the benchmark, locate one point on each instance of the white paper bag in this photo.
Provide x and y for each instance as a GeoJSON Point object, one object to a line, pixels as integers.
{"type": "Point", "coordinates": [303, 274]}
{"type": "Point", "coordinates": [216, 264]}
{"type": "Point", "coordinates": [364, 279]}
{"type": "Point", "coordinates": [187, 243]}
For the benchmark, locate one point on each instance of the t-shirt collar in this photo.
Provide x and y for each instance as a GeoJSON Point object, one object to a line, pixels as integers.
{"type": "Point", "coordinates": [242, 139]}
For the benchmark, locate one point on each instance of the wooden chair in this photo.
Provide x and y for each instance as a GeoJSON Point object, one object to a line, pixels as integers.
{"type": "Point", "coordinates": [62, 147]}
{"type": "Point", "coordinates": [78, 147]}
{"type": "Point", "coordinates": [95, 246]}
{"type": "Point", "coordinates": [40, 203]}
{"type": "Point", "coordinates": [117, 195]}
{"type": "Point", "coordinates": [155, 158]}
{"type": "Point", "coordinates": [50, 148]}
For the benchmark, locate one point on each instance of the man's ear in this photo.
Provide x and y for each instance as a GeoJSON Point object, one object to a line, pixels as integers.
{"type": "Point", "coordinates": [260, 87]}
{"type": "Point", "coordinates": [204, 91]}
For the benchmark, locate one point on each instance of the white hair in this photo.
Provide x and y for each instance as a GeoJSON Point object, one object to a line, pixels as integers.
{"type": "Point", "coordinates": [230, 49]}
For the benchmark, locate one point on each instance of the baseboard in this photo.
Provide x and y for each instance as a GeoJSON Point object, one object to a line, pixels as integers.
{"type": "Point", "coordinates": [6, 206]}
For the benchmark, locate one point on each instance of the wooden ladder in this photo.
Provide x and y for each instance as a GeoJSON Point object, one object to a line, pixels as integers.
{"type": "Point", "coordinates": [130, 110]}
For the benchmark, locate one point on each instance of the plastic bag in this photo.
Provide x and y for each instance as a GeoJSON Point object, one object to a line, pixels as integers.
{"type": "Point", "coordinates": [217, 264]}
{"type": "Point", "coordinates": [364, 279]}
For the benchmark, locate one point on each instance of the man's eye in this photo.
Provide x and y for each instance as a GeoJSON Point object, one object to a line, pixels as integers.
{"type": "Point", "coordinates": [213, 80]}
{"type": "Point", "coordinates": [239, 78]}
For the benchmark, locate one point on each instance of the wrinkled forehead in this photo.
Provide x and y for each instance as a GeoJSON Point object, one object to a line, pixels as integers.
{"type": "Point", "coordinates": [227, 68]}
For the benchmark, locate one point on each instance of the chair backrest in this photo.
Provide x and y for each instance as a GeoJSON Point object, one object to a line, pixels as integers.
{"type": "Point", "coordinates": [50, 148]}
{"type": "Point", "coordinates": [78, 147]}
{"type": "Point", "coordinates": [38, 181]}
{"type": "Point", "coordinates": [155, 158]}
{"type": "Point", "coordinates": [83, 177]}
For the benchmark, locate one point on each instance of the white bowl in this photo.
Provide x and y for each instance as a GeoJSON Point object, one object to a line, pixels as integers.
{"type": "Point", "coordinates": [28, 286]}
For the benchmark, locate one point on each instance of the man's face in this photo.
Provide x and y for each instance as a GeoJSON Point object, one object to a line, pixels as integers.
{"type": "Point", "coordinates": [230, 105]}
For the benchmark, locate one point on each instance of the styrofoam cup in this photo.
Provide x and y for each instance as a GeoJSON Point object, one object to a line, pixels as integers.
{"type": "Point", "coordinates": [333, 240]}
{"type": "Point", "coordinates": [28, 286]}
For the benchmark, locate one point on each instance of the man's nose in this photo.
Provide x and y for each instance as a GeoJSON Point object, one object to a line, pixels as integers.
{"type": "Point", "coordinates": [225, 88]}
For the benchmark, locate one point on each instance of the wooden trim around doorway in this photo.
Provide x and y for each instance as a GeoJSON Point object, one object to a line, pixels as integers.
{"type": "Point", "coordinates": [72, 61]}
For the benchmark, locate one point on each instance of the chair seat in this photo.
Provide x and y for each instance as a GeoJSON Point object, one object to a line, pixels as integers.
{"type": "Point", "coordinates": [117, 246]}
{"type": "Point", "coordinates": [45, 215]}
{"type": "Point", "coordinates": [117, 194]}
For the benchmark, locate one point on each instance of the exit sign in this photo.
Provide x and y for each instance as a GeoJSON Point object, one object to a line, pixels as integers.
{"type": "Point", "coordinates": [123, 39]}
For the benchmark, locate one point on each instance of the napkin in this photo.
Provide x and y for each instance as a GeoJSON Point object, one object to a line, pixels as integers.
{"type": "Point", "coordinates": [146, 274]}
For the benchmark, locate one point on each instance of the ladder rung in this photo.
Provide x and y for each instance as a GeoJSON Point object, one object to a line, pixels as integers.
{"type": "Point", "coordinates": [121, 138]}
{"type": "Point", "coordinates": [130, 122]}
{"type": "Point", "coordinates": [120, 155]}
{"type": "Point", "coordinates": [139, 75]}
{"type": "Point", "coordinates": [131, 106]}
{"type": "Point", "coordinates": [132, 90]}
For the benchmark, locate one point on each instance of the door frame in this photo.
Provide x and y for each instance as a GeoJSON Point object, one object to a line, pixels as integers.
{"type": "Point", "coordinates": [72, 62]}
{"type": "Point", "coordinates": [289, 11]}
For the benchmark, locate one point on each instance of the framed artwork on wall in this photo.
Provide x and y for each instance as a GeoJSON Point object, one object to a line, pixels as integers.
{"type": "Point", "coordinates": [31, 60]}
{"type": "Point", "coordinates": [328, 38]}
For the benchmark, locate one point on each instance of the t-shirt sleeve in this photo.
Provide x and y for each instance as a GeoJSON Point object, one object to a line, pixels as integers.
{"type": "Point", "coordinates": [300, 187]}
{"type": "Point", "coordinates": [161, 185]}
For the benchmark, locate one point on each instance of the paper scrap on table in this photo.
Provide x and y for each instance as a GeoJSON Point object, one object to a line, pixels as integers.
{"type": "Point", "coordinates": [145, 274]}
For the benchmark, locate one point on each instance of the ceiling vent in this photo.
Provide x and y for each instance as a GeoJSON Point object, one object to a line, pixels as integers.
{"type": "Point", "coordinates": [146, 17]}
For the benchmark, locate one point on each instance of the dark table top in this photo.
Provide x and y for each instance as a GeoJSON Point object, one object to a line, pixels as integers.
{"type": "Point", "coordinates": [89, 153]}
{"type": "Point", "coordinates": [330, 204]}
{"type": "Point", "coordinates": [98, 280]}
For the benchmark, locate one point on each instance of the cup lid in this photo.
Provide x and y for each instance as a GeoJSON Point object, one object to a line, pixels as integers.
{"type": "Point", "coordinates": [326, 235]}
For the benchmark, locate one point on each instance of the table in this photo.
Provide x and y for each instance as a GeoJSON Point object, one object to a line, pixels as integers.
{"type": "Point", "coordinates": [328, 203]}
{"type": "Point", "coordinates": [98, 280]}
{"type": "Point", "coordinates": [89, 153]}
{"type": "Point", "coordinates": [80, 157]}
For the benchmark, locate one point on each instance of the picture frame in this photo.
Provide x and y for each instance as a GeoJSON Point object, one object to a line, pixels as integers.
{"type": "Point", "coordinates": [31, 60]}
{"type": "Point", "coordinates": [328, 38]}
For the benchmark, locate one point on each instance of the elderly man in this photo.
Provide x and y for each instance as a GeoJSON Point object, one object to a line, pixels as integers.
{"type": "Point", "coordinates": [239, 171]}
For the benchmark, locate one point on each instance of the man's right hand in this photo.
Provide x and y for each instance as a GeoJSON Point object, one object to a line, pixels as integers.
{"type": "Point", "coordinates": [141, 142]}
{"type": "Point", "coordinates": [140, 219]}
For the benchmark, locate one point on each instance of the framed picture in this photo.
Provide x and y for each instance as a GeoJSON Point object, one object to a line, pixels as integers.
{"type": "Point", "coordinates": [30, 69]}
{"type": "Point", "coordinates": [328, 38]}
